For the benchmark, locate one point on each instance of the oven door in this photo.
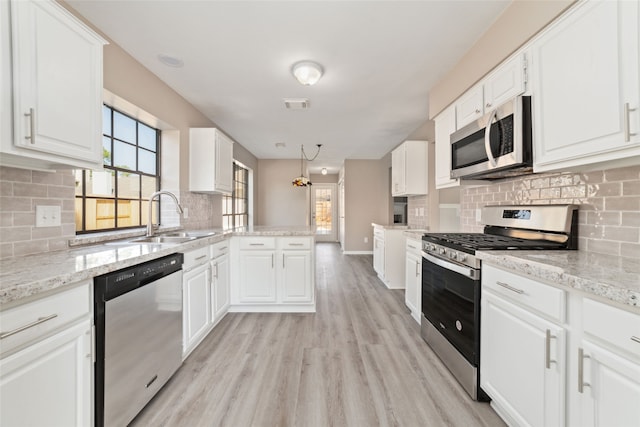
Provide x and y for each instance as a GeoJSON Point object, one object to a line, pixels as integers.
{"type": "Point", "coordinates": [451, 303]}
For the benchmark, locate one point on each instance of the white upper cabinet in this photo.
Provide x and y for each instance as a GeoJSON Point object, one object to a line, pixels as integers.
{"type": "Point", "coordinates": [586, 97]}
{"type": "Point", "coordinates": [503, 83]}
{"type": "Point", "coordinates": [210, 161]}
{"type": "Point", "coordinates": [55, 68]}
{"type": "Point", "coordinates": [409, 169]}
{"type": "Point", "coordinates": [445, 126]}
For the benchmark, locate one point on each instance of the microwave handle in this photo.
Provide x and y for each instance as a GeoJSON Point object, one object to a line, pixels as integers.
{"type": "Point", "coordinates": [487, 138]}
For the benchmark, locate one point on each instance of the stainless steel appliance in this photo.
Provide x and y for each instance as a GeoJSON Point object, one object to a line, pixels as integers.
{"type": "Point", "coordinates": [495, 146]}
{"type": "Point", "coordinates": [138, 318]}
{"type": "Point", "coordinates": [451, 276]}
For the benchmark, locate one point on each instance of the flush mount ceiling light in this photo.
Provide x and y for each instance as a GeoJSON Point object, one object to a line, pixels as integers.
{"type": "Point", "coordinates": [170, 61]}
{"type": "Point", "coordinates": [323, 171]}
{"type": "Point", "coordinates": [303, 181]}
{"type": "Point", "coordinates": [307, 72]}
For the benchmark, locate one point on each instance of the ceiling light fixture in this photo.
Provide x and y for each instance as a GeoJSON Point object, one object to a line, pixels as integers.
{"type": "Point", "coordinates": [307, 72]}
{"type": "Point", "coordinates": [170, 61]}
{"type": "Point", "coordinates": [303, 181]}
{"type": "Point", "coordinates": [323, 171]}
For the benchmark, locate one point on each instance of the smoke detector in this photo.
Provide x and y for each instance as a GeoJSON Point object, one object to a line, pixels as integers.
{"type": "Point", "coordinates": [296, 103]}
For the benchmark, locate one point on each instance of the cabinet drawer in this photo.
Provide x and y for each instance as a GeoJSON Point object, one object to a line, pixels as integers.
{"type": "Point", "coordinates": [413, 246]}
{"type": "Point", "coordinates": [37, 319]}
{"type": "Point", "coordinates": [293, 243]}
{"type": "Point", "coordinates": [613, 325]}
{"type": "Point", "coordinates": [538, 296]}
{"type": "Point", "coordinates": [257, 243]}
{"type": "Point", "coordinates": [195, 257]}
{"type": "Point", "coordinates": [218, 249]}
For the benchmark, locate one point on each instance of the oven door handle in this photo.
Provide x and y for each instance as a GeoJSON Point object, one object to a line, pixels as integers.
{"type": "Point", "coordinates": [469, 272]}
{"type": "Point", "coordinates": [487, 138]}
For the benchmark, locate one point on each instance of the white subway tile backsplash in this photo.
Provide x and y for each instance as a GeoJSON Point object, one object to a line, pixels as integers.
{"type": "Point", "coordinates": [609, 204]}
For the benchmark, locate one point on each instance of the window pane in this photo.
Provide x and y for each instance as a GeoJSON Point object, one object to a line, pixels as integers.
{"type": "Point", "coordinates": [106, 120]}
{"type": "Point", "coordinates": [100, 183]}
{"type": "Point", "coordinates": [78, 214]}
{"type": "Point", "coordinates": [128, 185]}
{"type": "Point", "coordinates": [106, 150]}
{"type": "Point", "coordinates": [149, 186]}
{"type": "Point", "coordinates": [147, 137]}
{"type": "Point", "coordinates": [78, 176]}
{"type": "Point", "coordinates": [124, 155]}
{"type": "Point", "coordinates": [124, 128]}
{"type": "Point", "coordinates": [128, 213]}
{"type": "Point", "coordinates": [100, 213]}
{"type": "Point", "coordinates": [146, 161]}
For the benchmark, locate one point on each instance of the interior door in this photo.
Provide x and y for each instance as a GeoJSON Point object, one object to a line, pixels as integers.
{"type": "Point", "coordinates": [324, 212]}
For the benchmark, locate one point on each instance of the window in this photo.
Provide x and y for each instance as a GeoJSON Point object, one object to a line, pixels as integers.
{"type": "Point", "coordinates": [118, 196]}
{"type": "Point", "coordinates": [235, 207]}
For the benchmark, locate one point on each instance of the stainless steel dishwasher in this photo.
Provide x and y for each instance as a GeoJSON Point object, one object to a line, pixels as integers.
{"type": "Point", "coordinates": [138, 318]}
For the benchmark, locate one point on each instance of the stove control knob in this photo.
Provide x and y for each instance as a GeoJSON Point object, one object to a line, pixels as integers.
{"type": "Point", "coordinates": [442, 251]}
{"type": "Point", "coordinates": [453, 255]}
{"type": "Point", "coordinates": [462, 257]}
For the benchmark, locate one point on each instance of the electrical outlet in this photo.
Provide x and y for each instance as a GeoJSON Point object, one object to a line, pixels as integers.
{"type": "Point", "coordinates": [421, 212]}
{"type": "Point", "coordinates": [185, 213]}
{"type": "Point", "coordinates": [478, 215]}
{"type": "Point", "coordinates": [366, 240]}
{"type": "Point", "coordinates": [47, 216]}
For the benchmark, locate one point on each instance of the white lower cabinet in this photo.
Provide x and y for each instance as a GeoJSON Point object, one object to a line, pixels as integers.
{"type": "Point", "coordinates": [522, 366]}
{"type": "Point", "coordinates": [46, 369]}
{"type": "Point", "coordinates": [389, 254]}
{"type": "Point", "coordinates": [196, 299]}
{"type": "Point", "coordinates": [413, 278]}
{"type": "Point", "coordinates": [274, 274]}
{"type": "Point", "coordinates": [547, 360]}
{"type": "Point", "coordinates": [220, 285]}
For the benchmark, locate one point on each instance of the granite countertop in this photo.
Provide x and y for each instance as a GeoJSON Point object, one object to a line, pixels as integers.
{"type": "Point", "coordinates": [415, 233]}
{"type": "Point", "coordinates": [391, 226]}
{"type": "Point", "coordinates": [614, 278]}
{"type": "Point", "coordinates": [32, 276]}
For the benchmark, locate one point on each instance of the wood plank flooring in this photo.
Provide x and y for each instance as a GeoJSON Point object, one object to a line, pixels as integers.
{"type": "Point", "coordinates": [358, 361]}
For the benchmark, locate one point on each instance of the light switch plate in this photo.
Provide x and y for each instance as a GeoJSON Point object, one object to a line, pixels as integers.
{"type": "Point", "coordinates": [47, 216]}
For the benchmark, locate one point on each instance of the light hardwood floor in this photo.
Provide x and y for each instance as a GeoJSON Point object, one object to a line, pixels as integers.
{"type": "Point", "coordinates": [358, 361]}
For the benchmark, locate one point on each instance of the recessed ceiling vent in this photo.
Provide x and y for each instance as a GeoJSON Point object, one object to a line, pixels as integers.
{"type": "Point", "coordinates": [296, 103]}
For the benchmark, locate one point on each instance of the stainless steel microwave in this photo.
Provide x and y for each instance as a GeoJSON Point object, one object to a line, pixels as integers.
{"type": "Point", "coordinates": [497, 145]}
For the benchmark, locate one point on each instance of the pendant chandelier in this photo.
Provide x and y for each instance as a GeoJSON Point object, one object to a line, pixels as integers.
{"type": "Point", "coordinates": [303, 181]}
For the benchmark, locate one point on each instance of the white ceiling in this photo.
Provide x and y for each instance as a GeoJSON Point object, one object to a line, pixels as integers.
{"type": "Point", "coordinates": [380, 60]}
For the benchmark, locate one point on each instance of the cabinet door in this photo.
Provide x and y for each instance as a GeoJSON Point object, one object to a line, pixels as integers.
{"type": "Point", "coordinates": [378, 256]}
{"type": "Point", "coordinates": [445, 126]}
{"type": "Point", "coordinates": [296, 276]}
{"type": "Point", "coordinates": [49, 382]}
{"type": "Point", "coordinates": [221, 287]}
{"type": "Point", "coordinates": [197, 306]}
{"type": "Point", "coordinates": [398, 164]}
{"type": "Point", "coordinates": [224, 164]}
{"type": "Point", "coordinates": [413, 284]}
{"type": "Point", "coordinates": [505, 83]}
{"type": "Point", "coordinates": [469, 107]}
{"type": "Point", "coordinates": [257, 276]}
{"type": "Point", "coordinates": [585, 73]}
{"type": "Point", "coordinates": [522, 369]}
{"type": "Point", "coordinates": [610, 395]}
{"type": "Point", "coordinates": [57, 83]}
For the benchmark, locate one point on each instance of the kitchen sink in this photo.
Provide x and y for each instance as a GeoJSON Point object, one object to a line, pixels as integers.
{"type": "Point", "coordinates": [162, 239]}
{"type": "Point", "coordinates": [175, 238]}
{"type": "Point", "coordinates": [190, 234]}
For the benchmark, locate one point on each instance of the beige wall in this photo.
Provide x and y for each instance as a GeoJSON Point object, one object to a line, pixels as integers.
{"type": "Point", "coordinates": [280, 203]}
{"type": "Point", "coordinates": [330, 178]}
{"type": "Point", "coordinates": [517, 24]}
{"type": "Point", "coordinates": [366, 187]}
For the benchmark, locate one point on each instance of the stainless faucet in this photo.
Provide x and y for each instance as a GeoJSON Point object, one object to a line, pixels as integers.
{"type": "Point", "coordinates": [153, 196]}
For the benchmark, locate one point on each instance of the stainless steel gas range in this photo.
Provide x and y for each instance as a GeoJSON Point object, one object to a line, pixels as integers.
{"type": "Point", "coordinates": [451, 276]}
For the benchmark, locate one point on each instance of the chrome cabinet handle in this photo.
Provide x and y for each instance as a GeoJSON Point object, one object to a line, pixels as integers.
{"type": "Point", "coordinates": [256, 244]}
{"type": "Point", "coordinates": [273, 256]}
{"type": "Point", "coordinates": [488, 105]}
{"type": "Point", "coordinates": [296, 244]}
{"type": "Point", "coordinates": [417, 268]}
{"type": "Point", "coordinates": [477, 110]}
{"type": "Point", "coordinates": [201, 257]}
{"type": "Point", "coordinates": [487, 138]}
{"type": "Point", "coordinates": [635, 339]}
{"type": "Point", "coordinates": [216, 270]}
{"type": "Point", "coordinates": [581, 383]}
{"type": "Point", "coordinates": [32, 125]}
{"type": "Point", "coordinates": [27, 326]}
{"type": "Point", "coordinates": [282, 260]}
{"type": "Point", "coordinates": [547, 354]}
{"type": "Point", "coordinates": [627, 124]}
{"type": "Point", "coordinates": [509, 287]}
{"type": "Point", "coordinates": [412, 247]}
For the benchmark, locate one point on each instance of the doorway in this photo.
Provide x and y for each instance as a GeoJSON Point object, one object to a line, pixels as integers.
{"type": "Point", "coordinates": [324, 212]}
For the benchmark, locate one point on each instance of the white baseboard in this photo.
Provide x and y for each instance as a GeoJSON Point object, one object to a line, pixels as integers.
{"type": "Point", "coordinates": [357, 252]}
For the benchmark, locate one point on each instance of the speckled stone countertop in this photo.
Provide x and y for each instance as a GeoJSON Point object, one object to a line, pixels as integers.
{"type": "Point", "coordinates": [29, 277]}
{"type": "Point", "coordinates": [614, 278]}
{"type": "Point", "coordinates": [390, 226]}
{"type": "Point", "coordinates": [415, 233]}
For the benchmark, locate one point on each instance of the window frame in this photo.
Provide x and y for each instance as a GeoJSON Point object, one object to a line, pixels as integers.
{"type": "Point", "coordinates": [115, 170]}
{"type": "Point", "coordinates": [229, 220]}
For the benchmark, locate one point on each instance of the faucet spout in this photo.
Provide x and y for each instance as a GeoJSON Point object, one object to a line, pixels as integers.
{"type": "Point", "coordinates": [153, 196]}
